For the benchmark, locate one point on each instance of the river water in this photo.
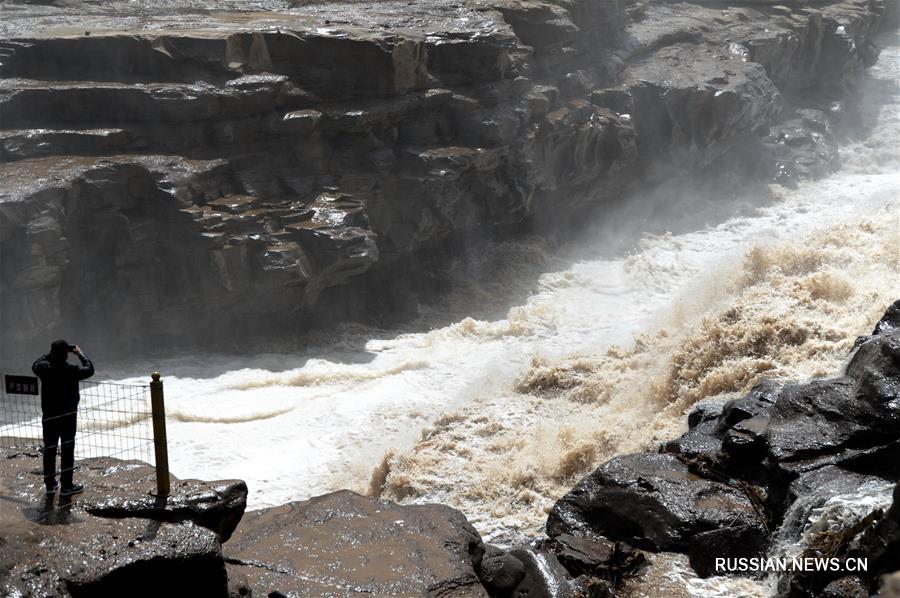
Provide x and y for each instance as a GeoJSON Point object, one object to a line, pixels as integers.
{"type": "Point", "coordinates": [603, 355]}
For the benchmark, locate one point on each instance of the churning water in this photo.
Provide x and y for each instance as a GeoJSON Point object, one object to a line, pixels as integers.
{"type": "Point", "coordinates": [500, 417]}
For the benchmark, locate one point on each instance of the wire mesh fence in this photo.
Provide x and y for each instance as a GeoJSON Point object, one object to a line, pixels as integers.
{"type": "Point", "coordinates": [112, 420]}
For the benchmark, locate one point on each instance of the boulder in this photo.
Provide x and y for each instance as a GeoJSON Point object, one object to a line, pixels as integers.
{"type": "Point", "coordinates": [500, 572]}
{"type": "Point", "coordinates": [706, 410]}
{"type": "Point", "coordinates": [846, 587]}
{"type": "Point", "coordinates": [583, 555]}
{"type": "Point", "coordinates": [770, 458]}
{"type": "Point", "coordinates": [343, 543]}
{"type": "Point", "coordinates": [815, 418]}
{"type": "Point", "coordinates": [881, 543]}
{"type": "Point", "coordinates": [739, 541]}
{"type": "Point", "coordinates": [779, 431]}
{"type": "Point", "coordinates": [597, 558]}
{"type": "Point", "coordinates": [699, 445]}
{"type": "Point", "coordinates": [743, 423]}
{"type": "Point", "coordinates": [825, 417]}
{"type": "Point", "coordinates": [544, 576]}
{"type": "Point", "coordinates": [650, 501]}
{"type": "Point", "coordinates": [826, 481]}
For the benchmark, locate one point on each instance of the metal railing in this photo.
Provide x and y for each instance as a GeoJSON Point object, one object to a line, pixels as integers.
{"type": "Point", "coordinates": [125, 421]}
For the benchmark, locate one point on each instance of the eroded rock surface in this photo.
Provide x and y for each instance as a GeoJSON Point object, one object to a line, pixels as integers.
{"type": "Point", "coordinates": [346, 544]}
{"type": "Point", "coordinates": [190, 165]}
{"type": "Point", "coordinates": [115, 539]}
{"type": "Point", "coordinates": [652, 501]}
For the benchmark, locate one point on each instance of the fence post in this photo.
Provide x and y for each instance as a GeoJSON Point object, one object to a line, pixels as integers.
{"type": "Point", "coordinates": [159, 435]}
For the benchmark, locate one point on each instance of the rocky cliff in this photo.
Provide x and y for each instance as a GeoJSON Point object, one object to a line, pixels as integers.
{"type": "Point", "coordinates": [169, 167]}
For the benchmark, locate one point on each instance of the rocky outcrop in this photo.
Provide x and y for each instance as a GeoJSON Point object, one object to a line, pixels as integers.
{"type": "Point", "coordinates": [115, 539]}
{"type": "Point", "coordinates": [881, 543]}
{"type": "Point", "coordinates": [544, 577]}
{"type": "Point", "coordinates": [119, 490]}
{"type": "Point", "coordinates": [761, 467]}
{"type": "Point", "coordinates": [346, 544]}
{"type": "Point", "coordinates": [499, 571]}
{"type": "Point", "coordinates": [163, 174]}
{"type": "Point", "coordinates": [652, 501]}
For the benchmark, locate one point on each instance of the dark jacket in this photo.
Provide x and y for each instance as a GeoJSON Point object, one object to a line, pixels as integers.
{"type": "Point", "coordinates": [59, 383]}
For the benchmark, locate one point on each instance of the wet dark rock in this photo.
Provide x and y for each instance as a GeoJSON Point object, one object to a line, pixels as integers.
{"type": "Point", "coordinates": [728, 438]}
{"type": "Point", "coordinates": [61, 547]}
{"type": "Point", "coordinates": [739, 541]}
{"type": "Point", "coordinates": [778, 431]}
{"type": "Point", "coordinates": [499, 571]}
{"type": "Point", "coordinates": [881, 544]}
{"type": "Point", "coordinates": [544, 576]}
{"type": "Point", "coordinates": [801, 148]}
{"type": "Point", "coordinates": [650, 501]}
{"type": "Point", "coordinates": [110, 557]}
{"type": "Point", "coordinates": [332, 543]}
{"type": "Point", "coordinates": [764, 462]}
{"type": "Point", "coordinates": [597, 558]}
{"type": "Point", "coordinates": [699, 444]}
{"type": "Point", "coordinates": [705, 411]}
{"type": "Point", "coordinates": [890, 321]}
{"type": "Point", "coordinates": [119, 489]}
{"type": "Point", "coordinates": [846, 587]}
{"type": "Point", "coordinates": [859, 410]}
{"type": "Point", "coordinates": [756, 405]}
{"type": "Point", "coordinates": [583, 555]}
{"type": "Point", "coordinates": [828, 481]}
{"type": "Point", "coordinates": [801, 425]}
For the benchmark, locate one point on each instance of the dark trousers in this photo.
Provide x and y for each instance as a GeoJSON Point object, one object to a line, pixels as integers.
{"type": "Point", "coordinates": [59, 432]}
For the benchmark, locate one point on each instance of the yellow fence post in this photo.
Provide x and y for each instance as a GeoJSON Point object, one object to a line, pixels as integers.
{"type": "Point", "coordinates": [159, 435]}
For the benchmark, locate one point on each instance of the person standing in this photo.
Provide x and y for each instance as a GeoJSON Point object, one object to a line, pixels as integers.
{"type": "Point", "coordinates": [59, 406]}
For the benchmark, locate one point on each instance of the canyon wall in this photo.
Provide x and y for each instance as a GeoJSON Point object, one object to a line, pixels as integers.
{"type": "Point", "coordinates": [176, 174]}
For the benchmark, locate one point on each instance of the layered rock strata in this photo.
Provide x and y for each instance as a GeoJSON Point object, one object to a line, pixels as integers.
{"type": "Point", "coordinates": [168, 168]}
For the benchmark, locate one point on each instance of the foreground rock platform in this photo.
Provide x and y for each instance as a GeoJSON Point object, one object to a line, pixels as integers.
{"type": "Point", "coordinates": [115, 539]}
{"type": "Point", "coordinates": [272, 163]}
{"type": "Point", "coordinates": [344, 544]}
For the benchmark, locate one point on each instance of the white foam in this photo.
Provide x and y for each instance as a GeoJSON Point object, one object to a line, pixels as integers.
{"type": "Point", "coordinates": [297, 425]}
